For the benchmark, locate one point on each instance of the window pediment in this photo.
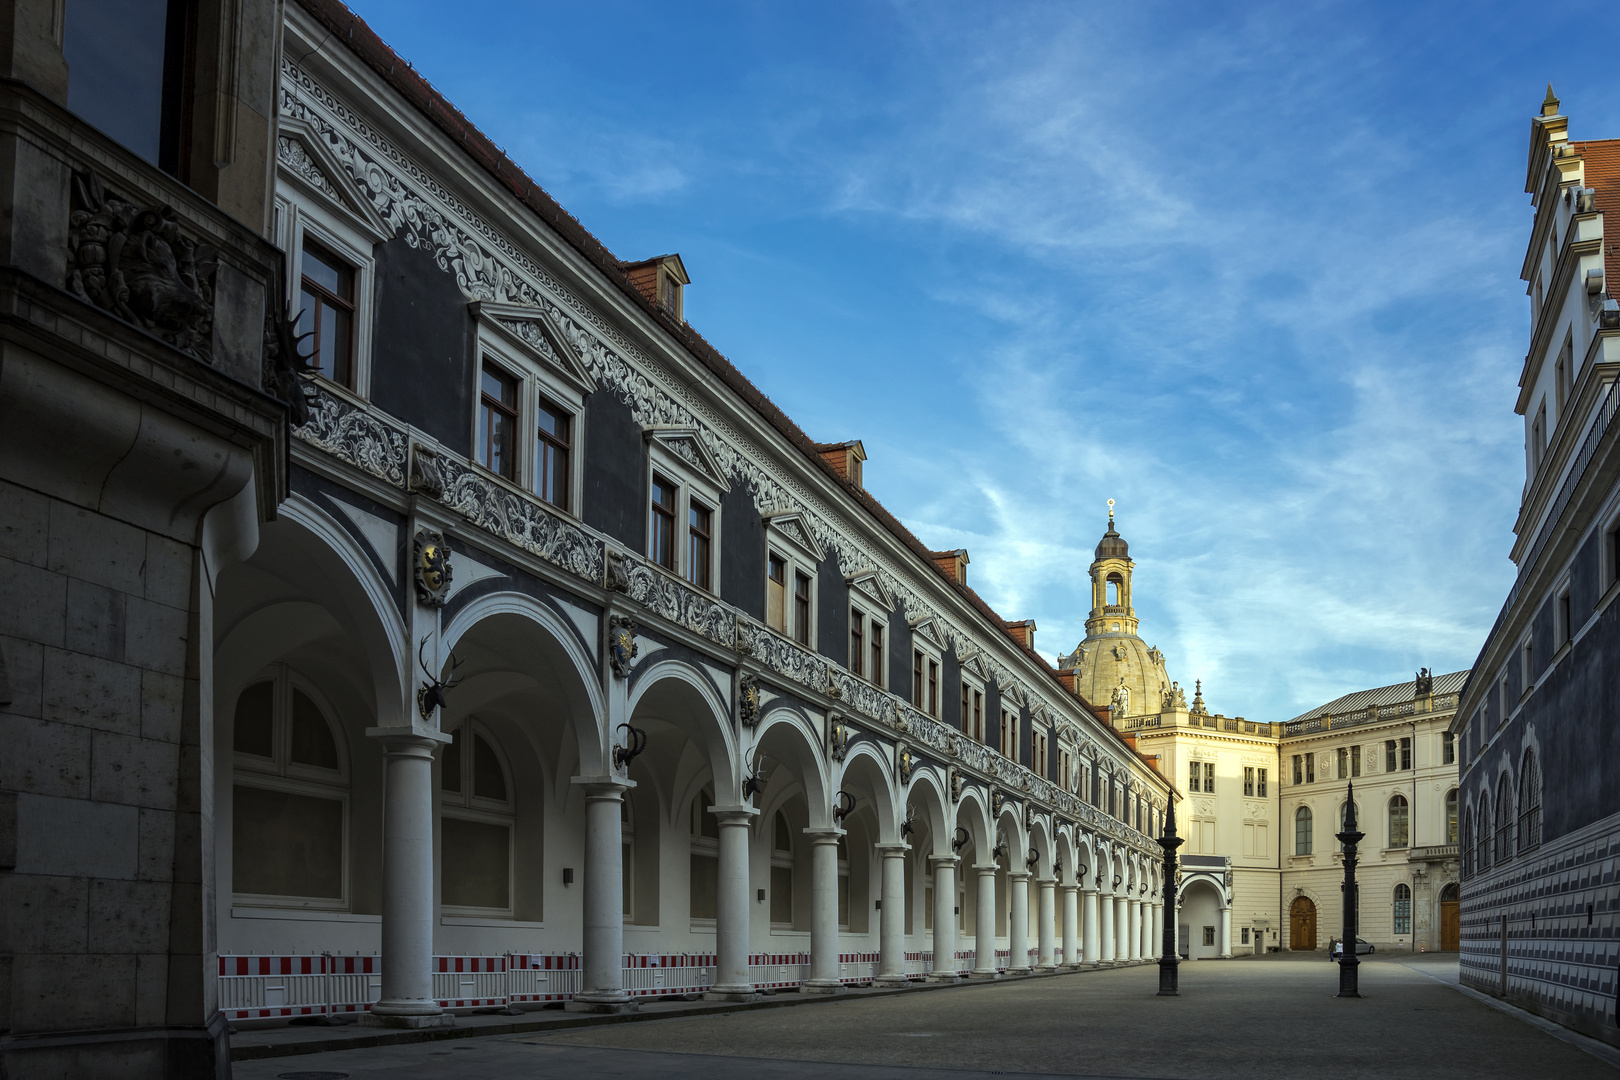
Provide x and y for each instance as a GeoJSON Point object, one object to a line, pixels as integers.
{"type": "Point", "coordinates": [928, 631]}
{"type": "Point", "coordinates": [791, 528]}
{"type": "Point", "coordinates": [973, 665]}
{"type": "Point", "coordinates": [685, 444]}
{"type": "Point", "coordinates": [304, 158]}
{"type": "Point", "coordinates": [867, 584]}
{"type": "Point", "coordinates": [532, 332]}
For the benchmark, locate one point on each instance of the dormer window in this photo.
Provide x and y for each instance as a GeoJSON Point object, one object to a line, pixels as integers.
{"type": "Point", "coordinates": [660, 280]}
{"type": "Point", "coordinates": [670, 295]}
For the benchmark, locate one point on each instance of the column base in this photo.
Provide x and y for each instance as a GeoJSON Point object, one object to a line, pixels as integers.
{"type": "Point", "coordinates": [823, 986]}
{"type": "Point", "coordinates": [604, 1004]}
{"type": "Point", "coordinates": [1070, 967]}
{"type": "Point", "coordinates": [891, 980]}
{"type": "Point", "coordinates": [412, 1020]}
{"type": "Point", "coordinates": [943, 976]}
{"type": "Point", "coordinates": [742, 993]}
{"type": "Point", "coordinates": [984, 976]}
{"type": "Point", "coordinates": [1018, 971]}
{"type": "Point", "coordinates": [1045, 969]}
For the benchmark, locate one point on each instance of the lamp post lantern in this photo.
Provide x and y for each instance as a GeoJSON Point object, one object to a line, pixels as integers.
{"type": "Point", "coordinates": [1349, 976]}
{"type": "Point", "coordinates": [1169, 960]}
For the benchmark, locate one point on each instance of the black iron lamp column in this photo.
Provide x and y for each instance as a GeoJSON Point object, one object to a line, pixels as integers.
{"type": "Point", "coordinates": [1169, 960]}
{"type": "Point", "coordinates": [1349, 976]}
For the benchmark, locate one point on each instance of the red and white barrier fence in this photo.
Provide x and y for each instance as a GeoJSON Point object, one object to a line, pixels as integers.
{"type": "Point", "coordinates": [858, 968]}
{"type": "Point", "coordinates": [269, 987]}
{"type": "Point", "coordinates": [778, 971]}
{"type": "Point", "coordinates": [663, 974]}
{"type": "Point", "coordinates": [919, 964]}
{"type": "Point", "coordinates": [537, 978]}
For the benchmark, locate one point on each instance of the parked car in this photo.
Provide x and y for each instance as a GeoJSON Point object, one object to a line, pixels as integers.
{"type": "Point", "coordinates": [1336, 950]}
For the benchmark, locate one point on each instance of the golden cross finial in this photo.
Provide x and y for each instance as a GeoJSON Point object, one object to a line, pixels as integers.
{"type": "Point", "coordinates": [1110, 511]}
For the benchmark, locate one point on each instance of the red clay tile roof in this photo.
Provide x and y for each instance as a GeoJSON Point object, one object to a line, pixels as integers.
{"type": "Point", "coordinates": [1602, 173]}
{"type": "Point", "coordinates": [352, 31]}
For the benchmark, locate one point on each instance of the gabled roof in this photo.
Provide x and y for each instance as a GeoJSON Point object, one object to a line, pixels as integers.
{"type": "Point", "coordinates": [351, 31]}
{"type": "Point", "coordinates": [1385, 695]}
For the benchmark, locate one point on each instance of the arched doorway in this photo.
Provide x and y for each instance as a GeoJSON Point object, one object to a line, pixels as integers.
{"type": "Point", "coordinates": [1450, 918]}
{"type": "Point", "coordinates": [1302, 924]}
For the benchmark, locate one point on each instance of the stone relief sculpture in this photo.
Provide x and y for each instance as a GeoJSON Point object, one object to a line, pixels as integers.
{"type": "Point", "coordinates": [748, 700]}
{"type": "Point", "coordinates": [1175, 697]}
{"type": "Point", "coordinates": [136, 264]}
{"type": "Point", "coordinates": [432, 568]}
{"type": "Point", "coordinates": [1120, 704]}
{"type": "Point", "coordinates": [622, 647]}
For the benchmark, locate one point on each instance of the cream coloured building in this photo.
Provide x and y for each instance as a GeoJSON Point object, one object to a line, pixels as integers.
{"type": "Point", "coordinates": [1259, 801]}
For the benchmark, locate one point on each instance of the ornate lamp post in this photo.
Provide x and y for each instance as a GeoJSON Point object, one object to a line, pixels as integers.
{"type": "Point", "coordinates": [1169, 960]}
{"type": "Point", "coordinates": [1349, 976]}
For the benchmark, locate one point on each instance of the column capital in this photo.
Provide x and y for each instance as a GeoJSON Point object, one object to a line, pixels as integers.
{"type": "Point", "coordinates": [1045, 881]}
{"type": "Point", "coordinates": [1018, 875]}
{"type": "Point", "coordinates": [735, 814]}
{"type": "Point", "coordinates": [825, 836]}
{"type": "Point", "coordinates": [603, 787]}
{"type": "Point", "coordinates": [415, 736]}
{"type": "Point", "coordinates": [892, 851]}
{"type": "Point", "coordinates": [945, 860]}
{"type": "Point", "coordinates": [1068, 888]}
{"type": "Point", "coordinates": [987, 868]}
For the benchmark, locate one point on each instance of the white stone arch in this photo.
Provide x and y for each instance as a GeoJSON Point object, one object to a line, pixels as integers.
{"type": "Point", "coordinates": [790, 737]}
{"type": "Point", "coordinates": [685, 697]}
{"type": "Point", "coordinates": [871, 767]}
{"type": "Point", "coordinates": [587, 706]}
{"type": "Point", "coordinates": [1040, 840]}
{"type": "Point", "coordinates": [973, 813]}
{"type": "Point", "coordinates": [1085, 854]}
{"type": "Point", "coordinates": [1011, 825]}
{"type": "Point", "coordinates": [927, 791]}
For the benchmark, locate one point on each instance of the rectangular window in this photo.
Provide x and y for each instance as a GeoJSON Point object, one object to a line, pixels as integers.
{"type": "Point", "coordinates": [1299, 769]}
{"type": "Point", "coordinates": [1563, 628]}
{"type": "Point", "coordinates": [1406, 754]}
{"type": "Point", "coordinates": [1260, 787]}
{"type": "Point", "coordinates": [1355, 761]}
{"type": "Point", "coordinates": [551, 455]}
{"type": "Point", "coordinates": [967, 710]}
{"type": "Point", "coordinates": [776, 592]}
{"type": "Point", "coordinates": [857, 642]}
{"type": "Point", "coordinates": [917, 678]}
{"type": "Point", "coordinates": [1248, 780]}
{"type": "Point", "coordinates": [801, 608]}
{"type": "Point", "coordinates": [497, 421]}
{"type": "Point", "coordinates": [1209, 935]}
{"type": "Point", "coordinates": [1195, 776]}
{"type": "Point", "coordinates": [877, 654]}
{"type": "Point", "coordinates": [663, 523]}
{"type": "Point", "coordinates": [1528, 658]}
{"type": "Point", "coordinates": [933, 689]}
{"type": "Point", "coordinates": [697, 544]}
{"type": "Point", "coordinates": [978, 717]}
{"type": "Point", "coordinates": [1389, 755]}
{"type": "Point", "coordinates": [1403, 912]}
{"type": "Point", "coordinates": [1209, 777]}
{"type": "Point", "coordinates": [1344, 763]}
{"type": "Point", "coordinates": [1002, 744]}
{"type": "Point", "coordinates": [1448, 748]}
{"type": "Point", "coordinates": [327, 296]}
{"type": "Point", "coordinates": [1310, 768]}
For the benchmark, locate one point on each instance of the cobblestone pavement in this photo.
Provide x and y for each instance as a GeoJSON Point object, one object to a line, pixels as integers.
{"type": "Point", "coordinates": [1251, 1018]}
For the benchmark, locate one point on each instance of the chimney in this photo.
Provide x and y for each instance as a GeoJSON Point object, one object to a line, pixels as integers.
{"type": "Point", "coordinates": [954, 563]}
{"type": "Point", "coordinates": [845, 458]}
{"type": "Point", "coordinates": [1023, 633]}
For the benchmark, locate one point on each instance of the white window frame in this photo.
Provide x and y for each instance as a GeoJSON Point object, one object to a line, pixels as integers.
{"type": "Point", "coordinates": [278, 773]}
{"type": "Point", "coordinates": [869, 597]}
{"type": "Point", "coordinates": [788, 537]}
{"type": "Point", "coordinates": [697, 478]}
{"type": "Point", "coordinates": [1563, 624]}
{"type": "Point", "coordinates": [348, 225]}
{"type": "Point", "coordinates": [971, 673]}
{"type": "Point", "coordinates": [925, 639]}
{"type": "Point", "coordinates": [465, 806]}
{"type": "Point", "coordinates": [522, 342]}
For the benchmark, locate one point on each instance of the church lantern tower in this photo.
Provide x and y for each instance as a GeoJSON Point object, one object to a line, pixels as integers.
{"type": "Point", "coordinates": [1111, 610]}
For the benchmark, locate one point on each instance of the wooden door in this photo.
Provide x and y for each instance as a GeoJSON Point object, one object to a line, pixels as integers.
{"type": "Point", "coordinates": [1302, 924]}
{"type": "Point", "coordinates": [1450, 938]}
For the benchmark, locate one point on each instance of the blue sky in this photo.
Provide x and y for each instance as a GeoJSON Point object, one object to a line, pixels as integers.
{"type": "Point", "coordinates": [1251, 270]}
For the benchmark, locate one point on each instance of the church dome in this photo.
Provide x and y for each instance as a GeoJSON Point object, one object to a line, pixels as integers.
{"type": "Point", "coordinates": [1116, 659]}
{"type": "Point", "coordinates": [1112, 545]}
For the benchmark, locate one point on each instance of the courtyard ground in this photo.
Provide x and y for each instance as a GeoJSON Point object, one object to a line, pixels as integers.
{"type": "Point", "coordinates": [1251, 1018]}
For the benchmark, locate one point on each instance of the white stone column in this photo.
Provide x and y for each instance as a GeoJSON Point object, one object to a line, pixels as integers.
{"type": "Point", "coordinates": [823, 912]}
{"type": "Point", "coordinates": [1106, 907]}
{"type": "Point", "coordinates": [1045, 930]}
{"type": "Point", "coordinates": [984, 925]}
{"type": "Point", "coordinates": [1226, 932]}
{"type": "Point", "coordinates": [1018, 924]}
{"type": "Point", "coordinates": [1090, 928]}
{"type": "Point", "coordinates": [944, 918]}
{"type": "Point", "coordinates": [732, 981]}
{"type": "Point", "coordinates": [1156, 949]}
{"type": "Point", "coordinates": [1122, 930]}
{"type": "Point", "coordinates": [892, 916]}
{"type": "Point", "coordinates": [1135, 908]}
{"type": "Point", "coordinates": [1071, 926]}
{"type": "Point", "coordinates": [407, 872]}
{"type": "Point", "coordinates": [603, 982]}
